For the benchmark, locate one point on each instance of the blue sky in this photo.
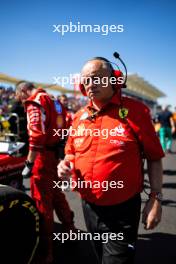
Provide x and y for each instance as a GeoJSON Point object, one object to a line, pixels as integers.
{"type": "Point", "coordinates": [30, 49]}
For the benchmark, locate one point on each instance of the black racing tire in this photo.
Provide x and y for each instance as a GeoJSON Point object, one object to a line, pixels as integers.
{"type": "Point", "coordinates": [19, 226]}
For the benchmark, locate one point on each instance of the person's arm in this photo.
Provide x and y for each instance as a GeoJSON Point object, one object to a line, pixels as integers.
{"type": "Point", "coordinates": [152, 210]}
{"type": "Point", "coordinates": [36, 117]}
{"type": "Point", "coordinates": [32, 154]}
{"type": "Point", "coordinates": [155, 173]}
{"type": "Point", "coordinates": [37, 136]}
{"type": "Point", "coordinates": [172, 125]}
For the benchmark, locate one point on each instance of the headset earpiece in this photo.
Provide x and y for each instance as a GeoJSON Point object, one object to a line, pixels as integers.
{"type": "Point", "coordinates": [119, 79]}
{"type": "Point", "coordinates": [82, 89]}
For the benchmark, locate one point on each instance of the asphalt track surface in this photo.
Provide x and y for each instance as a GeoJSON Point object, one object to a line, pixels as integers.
{"type": "Point", "coordinates": [153, 247]}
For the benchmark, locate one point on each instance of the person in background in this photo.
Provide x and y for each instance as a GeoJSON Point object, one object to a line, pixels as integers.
{"type": "Point", "coordinates": [43, 115]}
{"type": "Point", "coordinates": [165, 118]}
{"type": "Point", "coordinates": [64, 100]}
{"type": "Point", "coordinates": [21, 127]}
{"type": "Point", "coordinates": [156, 122]}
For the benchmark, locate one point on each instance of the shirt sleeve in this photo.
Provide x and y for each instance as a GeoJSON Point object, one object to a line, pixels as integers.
{"type": "Point", "coordinates": [36, 127]}
{"type": "Point", "coordinates": [151, 146]}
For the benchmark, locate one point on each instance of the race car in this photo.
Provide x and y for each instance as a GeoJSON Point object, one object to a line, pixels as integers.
{"type": "Point", "coordinates": [12, 156]}
{"type": "Point", "coordinates": [11, 164]}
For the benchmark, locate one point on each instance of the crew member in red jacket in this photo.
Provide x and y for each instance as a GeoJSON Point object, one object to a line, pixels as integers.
{"type": "Point", "coordinates": [43, 115]}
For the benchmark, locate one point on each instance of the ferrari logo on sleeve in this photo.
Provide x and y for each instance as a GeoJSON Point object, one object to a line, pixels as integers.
{"type": "Point", "coordinates": [123, 112]}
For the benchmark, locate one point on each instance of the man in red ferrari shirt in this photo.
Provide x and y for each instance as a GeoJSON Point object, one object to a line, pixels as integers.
{"type": "Point", "coordinates": [109, 163]}
{"type": "Point", "coordinates": [43, 115]}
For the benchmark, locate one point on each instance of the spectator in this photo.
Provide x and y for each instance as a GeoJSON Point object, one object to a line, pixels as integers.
{"type": "Point", "coordinates": [165, 119]}
{"type": "Point", "coordinates": [156, 122]}
{"type": "Point", "coordinates": [64, 100]}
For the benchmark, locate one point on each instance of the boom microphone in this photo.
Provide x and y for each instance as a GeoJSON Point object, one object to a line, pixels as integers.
{"type": "Point", "coordinates": [116, 55]}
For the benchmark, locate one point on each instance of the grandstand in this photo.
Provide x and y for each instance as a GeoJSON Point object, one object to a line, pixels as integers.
{"type": "Point", "coordinates": [137, 87]}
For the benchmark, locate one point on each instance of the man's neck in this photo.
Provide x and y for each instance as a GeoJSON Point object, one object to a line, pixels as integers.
{"type": "Point", "coordinates": [97, 105]}
{"type": "Point", "coordinates": [33, 91]}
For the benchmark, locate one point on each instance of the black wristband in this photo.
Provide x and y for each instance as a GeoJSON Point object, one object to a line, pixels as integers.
{"type": "Point", "coordinates": [156, 195]}
{"type": "Point", "coordinates": [28, 163]}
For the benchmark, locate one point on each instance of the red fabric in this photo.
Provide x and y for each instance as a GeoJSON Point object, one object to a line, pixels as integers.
{"type": "Point", "coordinates": [48, 198]}
{"type": "Point", "coordinates": [44, 116]}
{"type": "Point", "coordinates": [115, 158]}
{"type": "Point", "coordinates": [44, 173]}
{"type": "Point", "coordinates": [45, 165]}
{"type": "Point", "coordinates": [42, 119]}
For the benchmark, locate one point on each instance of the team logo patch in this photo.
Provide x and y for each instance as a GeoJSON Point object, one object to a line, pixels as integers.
{"type": "Point", "coordinates": [120, 131]}
{"type": "Point", "coordinates": [78, 141]}
{"type": "Point", "coordinates": [58, 107]}
{"type": "Point", "coordinates": [123, 112]}
{"type": "Point", "coordinates": [60, 121]}
{"type": "Point", "coordinates": [84, 116]}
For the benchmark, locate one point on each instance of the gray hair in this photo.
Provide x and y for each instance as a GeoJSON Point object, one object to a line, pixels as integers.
{"type": "Point", "coordinates": [105, 63]}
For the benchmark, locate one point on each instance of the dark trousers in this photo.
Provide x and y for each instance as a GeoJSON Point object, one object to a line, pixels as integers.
{"type": "Point", "coordinates": [121, 218]}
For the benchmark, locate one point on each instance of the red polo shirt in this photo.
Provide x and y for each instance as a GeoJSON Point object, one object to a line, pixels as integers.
{"type": "Point", "coordinates": [107, 150]}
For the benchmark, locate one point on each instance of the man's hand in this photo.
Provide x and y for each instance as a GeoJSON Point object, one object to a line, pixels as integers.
{"type": "Point", "coordinates": [27, 171]}
{"type": "Point", "coordinates": [64, 169]}
{"type": "Point", "coordinates": [29, 163]}
{"type": "Point", "coordinates": [151, 213]}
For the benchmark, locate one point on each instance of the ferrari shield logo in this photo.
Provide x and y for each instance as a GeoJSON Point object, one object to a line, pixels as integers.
{"type": "Point", "coordinates": [123, 112]}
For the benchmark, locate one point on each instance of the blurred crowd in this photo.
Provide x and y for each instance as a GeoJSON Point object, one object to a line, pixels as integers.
{"type": "Point", "coordinates": [164, 119]}
{"type": "Point", "coordinates": [9, 105]}
{"type": "Point", "coordinates": [7, 99]}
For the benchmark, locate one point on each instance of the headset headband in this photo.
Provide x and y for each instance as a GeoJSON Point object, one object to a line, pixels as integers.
{"type": "Point", "coordinates": [117, 73]}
